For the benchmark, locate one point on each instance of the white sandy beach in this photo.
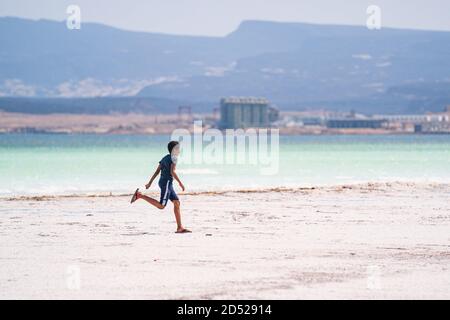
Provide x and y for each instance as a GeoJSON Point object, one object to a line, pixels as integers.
{"type": "Point", "coordinates": [356, 242]}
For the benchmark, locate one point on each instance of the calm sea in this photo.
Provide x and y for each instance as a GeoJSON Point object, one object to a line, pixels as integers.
{"type": "Point", "coordinates": [72, 164]}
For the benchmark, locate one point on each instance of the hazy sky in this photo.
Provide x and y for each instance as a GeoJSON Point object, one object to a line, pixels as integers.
{"type": "Point", "coordinates": [220, 17]}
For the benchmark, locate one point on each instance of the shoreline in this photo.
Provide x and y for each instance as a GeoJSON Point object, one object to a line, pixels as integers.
{"type": "Point", "coordinates": [154, 124]}
{"type": "Point", "coordinates": [282, 132]}
{"type": "Point", "coordinates": [370, 186]}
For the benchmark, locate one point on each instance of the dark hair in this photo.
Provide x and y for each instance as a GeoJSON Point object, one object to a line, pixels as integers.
{"type": "Point", "coordinates": [172, 145]}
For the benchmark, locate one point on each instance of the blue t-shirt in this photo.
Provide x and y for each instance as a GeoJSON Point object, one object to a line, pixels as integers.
{"type": "Point", "coordinates": [166, 164]}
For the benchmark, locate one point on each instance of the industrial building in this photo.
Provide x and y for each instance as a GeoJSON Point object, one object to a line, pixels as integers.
{"type": "Point", "coordinates": [355, 123]}
{"type": "Point", "coordinates": [244, 112]}
{"type": "Point", "coordinates": [432, 122]}
{"type": "Point", "coordinates": [436, 123]}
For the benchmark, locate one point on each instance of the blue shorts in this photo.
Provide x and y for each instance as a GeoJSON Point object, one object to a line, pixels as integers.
{"type": "Point", "coordinates": [167, 192]}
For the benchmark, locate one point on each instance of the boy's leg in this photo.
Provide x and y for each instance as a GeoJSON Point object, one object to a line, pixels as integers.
{"type": "Point", "coordinates": [150, 200]}
{"type": "Point", "coordinates": [176, 208]}
{"type": "Point", "coordinates": [177, 212]}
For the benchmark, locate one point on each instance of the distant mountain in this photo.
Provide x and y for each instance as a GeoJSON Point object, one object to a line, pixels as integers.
{"type": "Point", "coordinates": [96, 105]}
{"type": "Point", "coordinates": [295, 65]}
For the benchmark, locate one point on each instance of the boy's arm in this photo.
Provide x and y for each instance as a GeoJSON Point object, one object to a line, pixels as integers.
{"type": "Point", "coordinates": [153, 177]}
{"type": "Point", "coordinates": [174, 174]}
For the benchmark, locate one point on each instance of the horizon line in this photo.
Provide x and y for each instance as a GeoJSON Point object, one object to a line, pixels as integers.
{"type": "Point", "coordinates": [230, 32]}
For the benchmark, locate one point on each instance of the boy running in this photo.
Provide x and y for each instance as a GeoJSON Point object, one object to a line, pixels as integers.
{"type": "Point", "coordinates": [167, 167]}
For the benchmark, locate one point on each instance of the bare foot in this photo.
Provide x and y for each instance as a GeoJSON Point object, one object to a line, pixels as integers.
{"type": "Point", "coordinates": [183, 230]}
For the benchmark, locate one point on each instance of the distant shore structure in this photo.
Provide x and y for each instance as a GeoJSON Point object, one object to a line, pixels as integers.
{"type": "Point", "coordinates": [355, 123]}
{"type": "Point", "coordinates": [244, 112]}
{"type": "Point", "coordinates": [185, 114]}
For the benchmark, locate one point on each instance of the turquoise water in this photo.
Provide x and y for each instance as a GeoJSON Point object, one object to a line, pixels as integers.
{"type": "Point", "coordinates": [71, 164]}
